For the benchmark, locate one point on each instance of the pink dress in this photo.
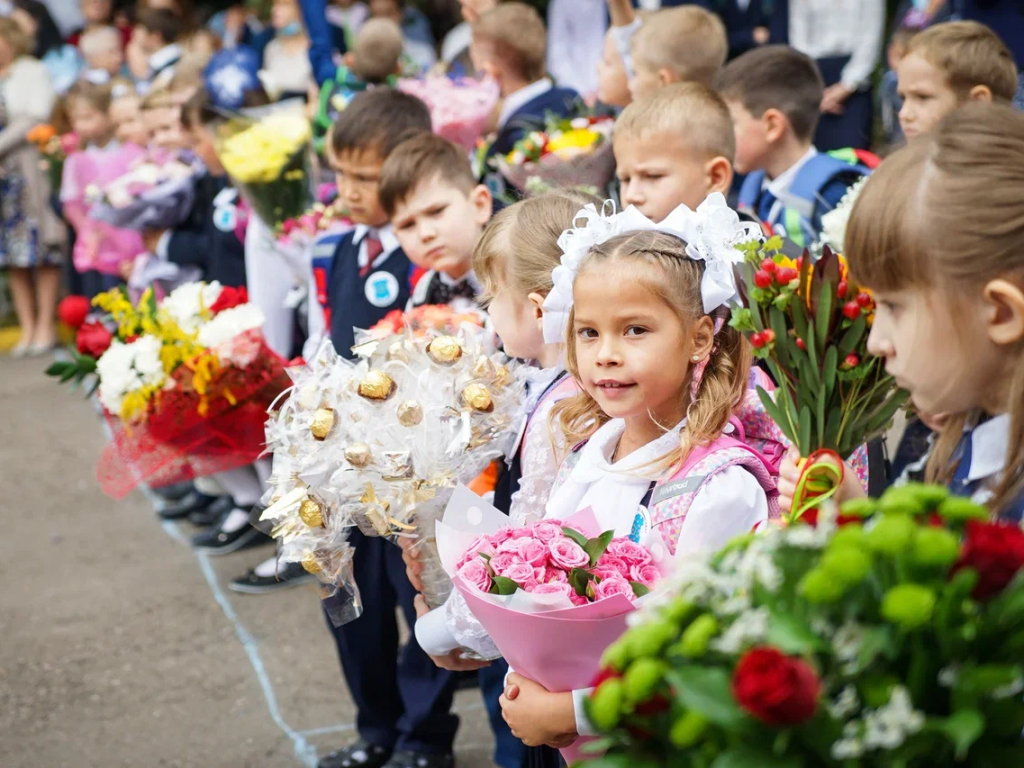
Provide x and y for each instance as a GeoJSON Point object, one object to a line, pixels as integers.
{"type": "Point", "coordinates": [98, 245]}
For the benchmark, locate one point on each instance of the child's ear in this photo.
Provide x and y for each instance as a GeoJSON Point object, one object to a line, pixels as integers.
{"type": "Point", "coordinates": [980, 93]}
{"type": "Point", "coordinates": [775, 124]}
{"type": "Point", "coordinates": [666, 76]}
{"type": "Point", "coordinates": [537, 308]}
{"type": "Point", "coordinates": [719, 174]}
{"type": "Point", "coordinates": [349, 59]}
{"type": "Point", "coordinates": [1006, 312]}
{"type": "Point", "coordinates": [703, 339]}
{"type": "Point", "coordinates": [483, 205]}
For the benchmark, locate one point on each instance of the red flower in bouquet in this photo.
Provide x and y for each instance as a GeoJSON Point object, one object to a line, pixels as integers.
{"type": "Point", "coordinates": [776, 689]}
{"type": "Point", "coordinates": [93, 340]}
{"type": "Point", "coordinates": [230, 298]}
{"type": "Point", "coordinates": [73, 310]}
{"type": "Point", "coordinates": [996, 551]}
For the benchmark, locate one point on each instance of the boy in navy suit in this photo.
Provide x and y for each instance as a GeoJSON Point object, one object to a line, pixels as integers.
{"type": "Point", "coordinates": [509, 45]}
{"type": "Point", "coordinates": [403, 701]}
{"type": "Point", "coordinates": [774, 95]}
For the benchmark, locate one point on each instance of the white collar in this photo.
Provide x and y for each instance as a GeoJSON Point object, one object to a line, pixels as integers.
{"type": "Point", "coordinates": [596, 456]}
{"type": "Point", "coordinates": [469, 277]}
{"type": "Point", "coordinates": [387, 238]}
{"type": "Point", "coordinates": [518, 99]}
{"type": "Point", "coordinates": [780, 185]}
{"type": "Point", "coordinates": [164, 57]}
{"type": "Point", "coordinates": [990, 442]}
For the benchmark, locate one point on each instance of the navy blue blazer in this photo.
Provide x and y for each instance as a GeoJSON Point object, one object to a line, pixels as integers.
{"type": "Point", "coordinates": [207, 239]}
{"type": "Point", "coordinates": [562, 102]}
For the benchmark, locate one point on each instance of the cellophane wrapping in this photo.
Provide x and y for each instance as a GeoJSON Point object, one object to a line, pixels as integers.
{"type": "Point", "coordinates": [591, 169]}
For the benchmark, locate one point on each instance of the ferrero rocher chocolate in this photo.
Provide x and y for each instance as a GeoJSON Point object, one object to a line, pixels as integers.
{"type": "Point", "coordinates": [322, 424]}
{"type": "Point", "coordinates": [445, 350]}
{"type": "Point", "coordinates": [358, 455]}
{"type": "Point", "coordinates": [310, 564]}
{"type": "Point", "coordinates": [483, 368]}
{"type": "Point", "coordinates": [410, 413]}
{"type": "Point", "coordinates": [376, 385]}
{"type": "Point", "coordinates": [311, 513]}
{"type": "Point", "coordinates": [502, 376]}
{"type": "Point", "coordinates": [478, 397]}
{"type": "Point", "coordinates": [398, 353]}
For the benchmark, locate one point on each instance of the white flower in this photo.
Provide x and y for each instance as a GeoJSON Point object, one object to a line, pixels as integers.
{"type": "Point", "coordinates": [845, 704]}
{"type": "Point", "coordinates": [748, 629]}
{"type": "Point", "coordinates": [186, 302]}
{"type": "Point", "coordinates": [125, 368]}
{"type": "Point", "coordinates": [226, 326]}
{"type": "Point", "coordinates": [889, 725]}
{"type": "Point", "coordinates": [579, 123]}
{"type": "Point", "coordinates": [834, 223]}
{"type": "Point", "coordinates": [847, 643]}
{"type": "Point", "coordinates": [847, 749]}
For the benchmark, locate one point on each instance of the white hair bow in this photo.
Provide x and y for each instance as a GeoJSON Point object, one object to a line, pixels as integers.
{"type": "Point", "coordinates": [711, 234]}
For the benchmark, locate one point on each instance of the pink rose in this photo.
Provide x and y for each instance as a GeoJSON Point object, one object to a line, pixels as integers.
{"type": "Point", "coordinates": [511, 545]}
{"type": "Point", "coordinates": [577, 599]}
{"type": "Point", "coordinates": [522, 533]}
{"type": "Point", "coordinates": [533, 551]}
{"type": "Point", "coordinates": [547, 530]}
{"type": "Point", "coordinates": [502, 561]}
{"type": "Point", "coordinates": [647, 575]}
{"type": "Point", "coordinates": [476, 573]}
{"type": "Point", "coordinates": [613, 563]}
{"type": "Point", "coordinates": [480, 544]}
{"type": "Point", "coordinates": [552, 575]}
{"type": "Point", "coordinates": [613, 586]}
{"type": "Point", "coordinates": [605, 572]}
{"type": "Point", "coordinates": [529, 585]}
{"type": "Point", "coordinates": [632, 553]}
{"type": "Point", "coordinates": [519, 572]}
{"type": "Point", "coordinates": [553, 588]}
{"type": "Point", "coordinates": [501, 536]}
{"type": "Point", "coordinates": [567, 554]}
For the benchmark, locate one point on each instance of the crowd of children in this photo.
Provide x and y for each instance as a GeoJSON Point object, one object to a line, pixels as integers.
{"type": "Point", "coordinates": [637, 375]}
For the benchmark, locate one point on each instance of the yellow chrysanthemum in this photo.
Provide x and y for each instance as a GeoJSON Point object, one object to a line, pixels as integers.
{"type": "Point", "coordinates": [573, 142]}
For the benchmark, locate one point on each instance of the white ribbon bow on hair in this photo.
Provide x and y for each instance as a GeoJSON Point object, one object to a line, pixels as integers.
{"type": "Point", "coordinates": [711, 234]}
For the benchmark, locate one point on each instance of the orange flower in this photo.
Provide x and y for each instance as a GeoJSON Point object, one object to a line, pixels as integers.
{"type": "Point", "coordinates": [41, 134]}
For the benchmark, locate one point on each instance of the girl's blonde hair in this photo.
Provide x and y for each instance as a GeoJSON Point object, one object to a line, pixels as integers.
{"type": "Point", "coordinates": [946, 213]}
{"type": "Point", "coordinates": [673, 277]}
{"type": "Point", "coordinates": [519, 248]}
{"type": "Point", "coordinates": [21, 42]}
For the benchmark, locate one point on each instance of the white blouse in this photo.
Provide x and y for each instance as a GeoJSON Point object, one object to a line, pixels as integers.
{"type": "Point", "coordinates": [854, 28]}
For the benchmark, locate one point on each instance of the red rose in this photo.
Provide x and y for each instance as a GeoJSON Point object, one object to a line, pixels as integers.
{"type": "Point", "coordinates": [93, 340]}
{"type": "Point", "coordinates": [73, 310]}
{"type": "Point", "coordinates": [810, 517]}
{"type": "Point", "coordinates": [776, 689]}
{"type": "Point", "coordinates": [230, 297]}
{"type": "Point", "coordinates": [996, 551]}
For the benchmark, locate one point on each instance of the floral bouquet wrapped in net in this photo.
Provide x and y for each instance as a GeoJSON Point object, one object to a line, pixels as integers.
{"type": "Point", "coordinates": [460, 108]}
{"type": "Point", "coordinates": [156, 193]}
{"type": "Point", "coordinates": [574, 152]}
{"type": "Point", "coordinates": [380, 442]}
{"type": "Point", "coordinates": [54, 149]}
{"type": "Point", "coordinates": [888, 634]}
{"type": "Point", "coordinates": [185, 383]}
{"type": "Point", "coordinates": [270, 159]}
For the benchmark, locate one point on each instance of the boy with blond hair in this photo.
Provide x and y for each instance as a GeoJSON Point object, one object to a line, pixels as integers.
{"type": "Point", "coordinates": [685, 44]}
{"type": "Point", "coordinates": [673, 147]}
{"type": "Point", "coordinates": [948, 65]}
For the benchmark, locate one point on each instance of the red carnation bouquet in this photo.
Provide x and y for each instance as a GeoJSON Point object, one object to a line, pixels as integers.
{"type": "Point", "coordinates": [887, 635]}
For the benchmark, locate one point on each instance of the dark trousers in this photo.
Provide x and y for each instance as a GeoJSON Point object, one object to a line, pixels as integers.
{"type": "Point", "coordinates": [403, 700]}
{"type": "Point", "coordinates": [509, 752]}
{"type": "Point", "coordinates": [93, 282]}
{"type": "Point", "coordinates": [854, 127]}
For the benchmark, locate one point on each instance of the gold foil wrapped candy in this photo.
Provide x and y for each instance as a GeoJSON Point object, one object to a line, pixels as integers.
{"type": "Point", "coordinates": [376, 385]}
{"type": "Point", "coordinates": [502, 376]}
{"type": "Point", "coordinates": [445, 350]}
{"type": "Point", "coordinates": [358, 455]}
{"type": "Point", "coordinates": [483, 368]}
{"type": "Point", "coordinates": [310, 564]}
{"type": "Point", "coordinates": [397, 353]}
{"type": "Point", "coordinates": [322, 424]}
{"type": "Point", "coordinates": [410, 413]}
{"type": "Point", "coordinates": [312, 513]}
{"type": "Point", "coordinates": [478, 397]}
{"type": "Point", "coordinates": [377, 511]}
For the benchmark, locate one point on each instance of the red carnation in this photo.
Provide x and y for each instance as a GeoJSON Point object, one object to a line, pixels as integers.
{"type": "Point", "coordinates": [73, 310]}
{"type": "Point", "coordinates": [810, 517]}
{"type": "Point", "coordinates": [607, 673]}
{"type": "Point", "coordinates": [996, 551]}
{"type": "Point", "coordinates": [230, 297]}
{"type": "Point", "coordinates": [93, 339]}
{"type": "Point", "coordinates": [776, 689]}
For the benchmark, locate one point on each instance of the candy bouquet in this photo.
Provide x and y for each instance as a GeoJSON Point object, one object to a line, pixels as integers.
{"type": "Point", "coordinates": [574, 152]}
{"type": "Point", "coordinates": [156, 193]}
{"type": "Point", "coordinates": [809, 321]}
{"type": "Point", "coordinates": [185, 383]}
{"type": "Point", "coordinates": [380, 442]}
{"type": "Point", "coordinates": [54, 149]}
{"type": "Point", "coordinates": [889, 634]}
{"type": "Point", "coordinates": [460, 108]}
{"type": "Point", "coordinates": [270, 158]}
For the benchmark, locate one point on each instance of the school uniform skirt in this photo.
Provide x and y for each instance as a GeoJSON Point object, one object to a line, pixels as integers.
{"type": "Point", "coordinates": [855, 126]}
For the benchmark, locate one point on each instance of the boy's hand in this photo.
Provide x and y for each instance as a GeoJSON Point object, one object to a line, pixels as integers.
{"type": "Point", "coordinates": [789, 475]}
{"type": "Point", "coordinates": [835, 96]}
{"type": "Point", "coordinates": [151, 237]}
{"type": "Point", "coordinates": [411, 557]}
{"type": "Point", "coordinates": [453, 661]}
{"type": "Point", "coordinates": [537, 716]}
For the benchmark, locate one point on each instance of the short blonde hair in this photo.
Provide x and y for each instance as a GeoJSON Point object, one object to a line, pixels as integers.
{"type": "Point", "coordinates": [517, 33]}
{"type": "Point", "coordinates": [968, 54]}
{"type": "Point", "coordinates": [20, 42]}
{"type": "Point", "coordinates": [688, 41]}
{"type": "Point", "coordinates": [99, 39]}
{"type": "Point", "coordinates": [691, 110]}
{"type": "Point", "coordinates": [376, 50]}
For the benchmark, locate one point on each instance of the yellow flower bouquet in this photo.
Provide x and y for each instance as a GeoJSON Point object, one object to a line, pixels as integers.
{"type": "Point", "coordinates": [270, 160]}
{"type": "Point", "coordinates": [574, 152]}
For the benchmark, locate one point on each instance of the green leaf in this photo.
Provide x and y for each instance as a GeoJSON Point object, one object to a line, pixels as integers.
{"type": "Point", "coordinates": [962, 728]}
{"type": "Point", "coordinates": [578, 580]}
{"type": "Point", "coordinates": [799, 314]}
{"type": "Point", "coordinates": [93, 388]}
{"type": "Point", "coordinates": [778, 324]}
{"type": "Point", "coordinates": [504, 586]}
{"type": "Point", "coordinates": [792, 636]}
{"type": "Point", "coordinates": [706, 690]}
{"type": "Point", "coordinates": [86, 363]}
{"type": "Point", "coordinates": [824, 317]}
{"type": "Point", "coordinates": [775, 412]}
{"type": "Point", "coordinates": [576, 536]}
{"type": "Point", "coordinates": [820, 434]}
{"type": "Point", "coordinates": [57, 369]}
{"type": "Point", "coordinates": [750, 757]}
{"type": "Point", "coordinates": [853, 336]}
{"type": "Point", "coordinates": [832, 423]}
{"type": "Point", "coordinates": [68, 374]}
{"type": "Point", "coordinates": [805, 431]}
{"type": "Point", "coordinates": [639, 590]}
{"type": "Point", "coordinates": [828, 371]}
{"type": "Point", "coordinates": [876, 641]}
{"type": "Point", "coordinates": [596, 547]}
{"type": "Point", "coordinates": [485, 556]}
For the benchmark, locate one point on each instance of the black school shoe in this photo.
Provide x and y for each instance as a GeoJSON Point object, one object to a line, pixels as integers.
{"type": "Point", "coordinates": [174, 491]}
{"type": "Point", "coordinates": [189, 503]}
{"type": "Point", "coordinates": [289, 575]}
{"type": "Point", "coordinates": [420, 760]}
{"type": "Point", "coordinates": [362, 754]}
{"type": "Point", "coordinates": [214, 541]}
{"type": "Point", "coordinates": [207, 516]}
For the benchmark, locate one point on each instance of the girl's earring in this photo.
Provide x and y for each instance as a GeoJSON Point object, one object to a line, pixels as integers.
{"type": "Point", "coordinates": [696, 358]}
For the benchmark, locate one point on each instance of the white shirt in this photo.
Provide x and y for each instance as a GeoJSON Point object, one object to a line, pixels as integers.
{"type": "Point", "coordinates": [164, 58]}
{"type": "Point", "coordinates": [623, 38]}
{"type": "Point", "coordinates": [521, 98]}
{"type": "Point", "coordinates": [456, 41]}
{"type": "Point", "coordinates": [779, 186]}
{"type": "Point", "coordinates": [825, 28]}
{"type": "Point", "coordinates": [576, 30]}
{"type": "Point", "coordinates": [990, 443]}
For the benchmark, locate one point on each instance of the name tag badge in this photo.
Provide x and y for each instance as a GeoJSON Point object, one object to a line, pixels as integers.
{"type": "Point", "coordinates": [381, 289]}
{"type": "Point", "coordinates": [226, 218]}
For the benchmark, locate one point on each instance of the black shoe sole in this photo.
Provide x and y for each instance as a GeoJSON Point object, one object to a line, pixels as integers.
{"type": "Point", "coordinates": [250, 537]}
{"type": "Point", "coordinates": [257, 589]}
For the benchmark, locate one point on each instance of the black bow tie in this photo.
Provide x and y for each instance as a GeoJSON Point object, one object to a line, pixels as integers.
{"type": "Point", "coordinates": [440, 292]}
